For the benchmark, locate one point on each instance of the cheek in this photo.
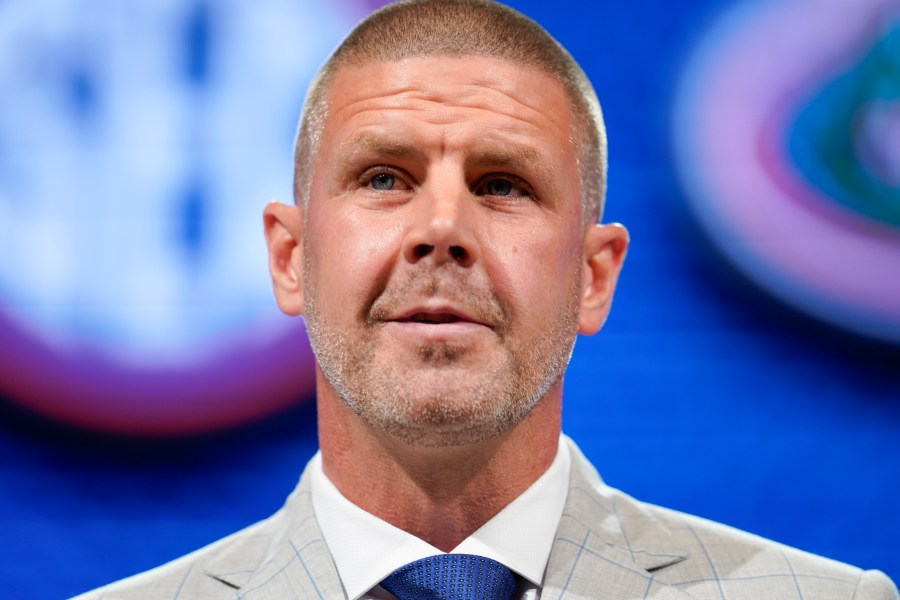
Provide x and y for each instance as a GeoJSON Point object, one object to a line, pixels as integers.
{"type": "Point", "coordinates": [534, 274]}
{"type": "Point", "coordinates": [350, 256]}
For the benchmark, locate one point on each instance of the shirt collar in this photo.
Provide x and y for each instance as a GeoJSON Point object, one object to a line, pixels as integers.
{"type": "Point", "coordinates": [367, 549]}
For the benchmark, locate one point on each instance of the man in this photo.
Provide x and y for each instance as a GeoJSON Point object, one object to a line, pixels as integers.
{"type": "Point", "coordinates": [444, 250]}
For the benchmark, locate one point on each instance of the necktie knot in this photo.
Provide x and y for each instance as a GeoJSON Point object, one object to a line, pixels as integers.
{"type": "Point", "coordinates": [452, 577]}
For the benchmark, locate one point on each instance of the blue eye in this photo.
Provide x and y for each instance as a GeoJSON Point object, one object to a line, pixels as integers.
{"type": "Point", "coordinates": [498, 187]}
{"type": "Point", "coordinates": [503, 186]}
{"type": "Point", "coordinates": [382, 181]}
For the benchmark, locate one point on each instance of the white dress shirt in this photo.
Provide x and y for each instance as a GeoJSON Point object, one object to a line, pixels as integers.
{"type": "Point", "coordinates": [367, 549]}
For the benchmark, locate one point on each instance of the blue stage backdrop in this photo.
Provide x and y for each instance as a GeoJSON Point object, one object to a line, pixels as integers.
{"type": "Point", "coordinates": [152, 398]}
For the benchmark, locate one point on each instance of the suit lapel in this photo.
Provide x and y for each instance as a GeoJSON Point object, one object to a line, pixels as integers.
{"type": "Point", "coordinates": [607, 545]}
{"type": "Point", "coordinates": [284, 557]}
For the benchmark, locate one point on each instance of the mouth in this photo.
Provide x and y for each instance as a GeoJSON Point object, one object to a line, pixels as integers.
{"type": "Point", "coordinates": [432, 318]}
{"type": "Point", "coordinates": [437, 316]}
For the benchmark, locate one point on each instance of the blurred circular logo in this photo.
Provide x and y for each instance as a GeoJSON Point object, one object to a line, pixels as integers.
{"type": "Point", "coordinates": [139, 142]}
{"type": "Point", "coordinates": [787, 133]}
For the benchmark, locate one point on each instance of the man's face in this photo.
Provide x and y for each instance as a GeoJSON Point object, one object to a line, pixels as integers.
{"type": "Point", "coordinates": [443, 247]}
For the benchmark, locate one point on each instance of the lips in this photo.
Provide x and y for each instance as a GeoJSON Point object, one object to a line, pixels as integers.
{"type": "Point", "coordinates": [436, 315]}
{"type": "Point", "coordinates": [432, 318]}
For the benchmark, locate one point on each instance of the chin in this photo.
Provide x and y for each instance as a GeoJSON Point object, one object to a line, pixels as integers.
{"type": "Point", "coordinates": [455, 418]}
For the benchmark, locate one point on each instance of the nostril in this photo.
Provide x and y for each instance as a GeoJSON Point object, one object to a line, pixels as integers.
{"type": "Point", "coordinates": [422, 250]}
{"type": "Point", "coordinates": [458, 253]}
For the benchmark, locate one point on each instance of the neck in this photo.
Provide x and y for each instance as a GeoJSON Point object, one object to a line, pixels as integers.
{"type": "Point", "coordinates": [440, 495]}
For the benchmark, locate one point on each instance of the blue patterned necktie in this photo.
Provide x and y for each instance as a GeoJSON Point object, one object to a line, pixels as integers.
{"type": "Point", "coordinates": [452, 577]}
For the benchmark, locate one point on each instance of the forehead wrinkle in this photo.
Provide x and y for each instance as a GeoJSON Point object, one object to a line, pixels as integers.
{"type": "Point", "coordinates": [437, 91]}
{"type": "Point", "coordinates": [471, 97]}
{"type": "Point", "coordinates": [335, 109]}
{"type": "Point", "coordinates": [421, 97]}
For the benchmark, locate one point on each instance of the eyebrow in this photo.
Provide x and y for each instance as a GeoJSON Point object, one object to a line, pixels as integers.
{"type": "Point", "coordinates": [492, 155]}
{"type": "Point", "coordinates": [518, 157]}
{"type": "Point", "coordinates": [381, 146]}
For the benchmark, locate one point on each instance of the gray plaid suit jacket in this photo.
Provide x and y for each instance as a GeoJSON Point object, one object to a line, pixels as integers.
{"type": "Point", "coordinates": [608, 546]}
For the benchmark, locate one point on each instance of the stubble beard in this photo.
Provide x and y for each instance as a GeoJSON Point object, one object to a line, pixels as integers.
{"type": "Point", "coordinates": [441, 397]}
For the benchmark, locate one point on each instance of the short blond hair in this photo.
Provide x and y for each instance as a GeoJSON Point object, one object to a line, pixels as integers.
{"type": "Point", "coordinates": [414, 28]}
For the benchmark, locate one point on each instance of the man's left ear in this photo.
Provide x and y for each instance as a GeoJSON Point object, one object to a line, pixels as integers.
{"type": "Point", "coordinates": [604, 252]}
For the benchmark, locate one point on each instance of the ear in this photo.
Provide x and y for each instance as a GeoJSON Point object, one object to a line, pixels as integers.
{"type": "Point", "coordinates": [284, 237]}
{"type": "Point", "coordinates": [604, 253]}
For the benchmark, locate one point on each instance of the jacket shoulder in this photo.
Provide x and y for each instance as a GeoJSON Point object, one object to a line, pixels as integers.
{"type": "Point", "coordinates": [187, 576]}
{"type": "Point", "coordinates": [223, 567]}
{"type": "Point", "coordinates": [686, 556]}
{"type": "Point", "coordinates": [728, 562]}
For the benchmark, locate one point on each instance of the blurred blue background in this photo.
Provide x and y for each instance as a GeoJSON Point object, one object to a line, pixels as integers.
{"type": "Point", "coordinates": [138, 144]}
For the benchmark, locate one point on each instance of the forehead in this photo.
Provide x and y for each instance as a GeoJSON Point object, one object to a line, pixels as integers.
{"type": "Point", "coordinates": [467, 101]}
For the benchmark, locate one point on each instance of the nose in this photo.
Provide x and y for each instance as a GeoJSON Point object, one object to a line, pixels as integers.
{"type": "Point", "coordinates": [442, 225]}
